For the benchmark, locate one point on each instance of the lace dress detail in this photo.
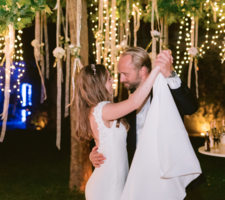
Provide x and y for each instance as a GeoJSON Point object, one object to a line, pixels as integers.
{"type": "Point", "coordinates": [101, 127]}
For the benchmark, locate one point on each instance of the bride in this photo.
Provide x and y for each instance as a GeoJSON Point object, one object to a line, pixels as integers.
{"type": "Point", "coordinates": [97, 117]}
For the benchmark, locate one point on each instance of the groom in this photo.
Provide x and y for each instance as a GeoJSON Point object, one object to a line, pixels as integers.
{"type": "Point", "coordinates": [134, 67]}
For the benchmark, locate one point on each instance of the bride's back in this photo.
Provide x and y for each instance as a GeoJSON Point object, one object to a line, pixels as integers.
{"type": "Point", "coordinates": [107, 182]}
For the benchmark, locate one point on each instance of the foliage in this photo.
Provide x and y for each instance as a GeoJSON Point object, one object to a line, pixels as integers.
{"type": "Point", "coordinates": [19, 13]}
{"type": "Point", "coordinates": [174, 11]}
{"type": "Point", "coordinates": [52, 3]}
{"type": "Point", "coordinates": [170, 8]}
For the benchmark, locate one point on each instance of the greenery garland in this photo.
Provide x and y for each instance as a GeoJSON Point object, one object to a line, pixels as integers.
{"type": "Point", "coordinates": [172, 9]}
{"type": "Point", "coordinates": [19, 13]}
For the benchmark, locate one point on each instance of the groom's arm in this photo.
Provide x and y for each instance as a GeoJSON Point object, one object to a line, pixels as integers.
{"type": "Point", "coordinates": [96, 158]}
{"type": "Point", "coordinates": [185, 100]}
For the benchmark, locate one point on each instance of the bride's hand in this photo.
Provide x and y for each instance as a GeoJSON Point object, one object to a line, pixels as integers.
{"type": "Point", "coordinates": [96, 158]}
{"type": "Point", "coordinates": [165, 60]}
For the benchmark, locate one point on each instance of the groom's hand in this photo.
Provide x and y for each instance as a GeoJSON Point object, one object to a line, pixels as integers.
{"type": "Point", "coordinates": [165, 60]}
{"type": "Point", "coordinates": [96, 158]}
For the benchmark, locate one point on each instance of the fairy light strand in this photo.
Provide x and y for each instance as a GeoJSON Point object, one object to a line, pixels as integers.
{"type": "Point", "coordinates": [18, 65]}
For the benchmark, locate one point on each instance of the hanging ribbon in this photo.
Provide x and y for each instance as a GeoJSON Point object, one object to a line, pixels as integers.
{"type": "Point", "coordinates": [36, 43]}
{"type": "Point", "coordinates": [121, 29]}
{"type": "Point", "coordinates": [63, 21]}
{"type": "Point", "coordinates": [59, 79]}
{"type": "Point", "coordinates": [100, 17]}
{"type": "Point", "coordinates": [107, 45]}
{"type": "Point", "coordinates": [9, 50]}
{"type": "Point", "coordinates": [154, 11]}
{"type": "Point", "coordinates": [43, 89]}
{"type": "Point", "coordinates": [46, 45]}
{"type": "Point", "coordinates": [196, 61]}
{"type": "Point", "coordinates": [215, 8]}
{"type": "Point", "coordinates": [36, 46]}
{"type": "Point", "coordinates": [37, 34]}
{"type": "Point", "coordinates": [127, 28]}
{"type": "Point", "coordinates": [77, 61]}
{"type": "Point", "coordinates": [136, 23]}
{"type": "Point", "coordinates": [98, 46]}
{"type": "Point", "coordinates": [79, 16]}
{"type": "Point", "coordinates": [42, 80]}
{"type": "Point", "coordinates": [192, 45]}
{"type": "Point", "coordinates": [67, 85]}
{"type": "Point", "coordinates": [161, 34]}
{"type": "Point", "coordinates": [153, 38]}
{"type": "Point", "coordinates": [165, 31]}
{"type": "Point", "coordinates": [113, 44]}
{"type": "Point", "coordinates": [42, 61]}
{"type": "Point", "coordinates": [99, 35]}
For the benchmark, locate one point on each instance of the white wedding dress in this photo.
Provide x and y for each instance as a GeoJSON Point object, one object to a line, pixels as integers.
{"type": "Point", "coordinates": [107, 182]}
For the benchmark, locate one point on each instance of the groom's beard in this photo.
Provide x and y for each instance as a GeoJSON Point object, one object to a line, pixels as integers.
{"type": "Point", "coordinates": [132, 85]}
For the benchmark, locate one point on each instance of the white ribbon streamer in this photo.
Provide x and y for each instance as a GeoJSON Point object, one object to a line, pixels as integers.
{"type": "Point", "coordinates": [154, 10]}
{"type": "Point", "coordinates": [98, 47]}
{"type": "Point", "coordinates": [46, 45]}
{"type": "Point", "coordinates": [42, 59]}
{"type": "Point", "coordinates": [37, 55]}
{"type": "Point", "coordinates": [99, 33]}
{"type": "Point", "coordinates": [165, 32]}
{"type": "Point", "coordinates": [59, 82]}
{"type": "Point", "coordinates": [113, 44]}
{"type": "Point", "coordinates": [9, 49]}
{"type": "Point", "coordinates": [100, 17]}
{"type": "Point", "coordinates": [37, 34]}
{"type": "Point", "coordinates": [192, 45]}
{"type": "Point", "coordinates": [76, 60]}
{"type": "Point", "coordinates": [153, 38]}
{"type": "Point", "coordinates": [106, 49]}
{"type": "Point", "coordinates": [196, 61]}
{"type": "Point", "coordinates": [127, 21]}
{"type": "Point", "coordinates": [67, 85]}
{"type": "Point", "coordinates": [215, 8]}
{"type": "Point", "coordinates": [136, 23]}
{"type": "Point", "coordinates": [161, 33]}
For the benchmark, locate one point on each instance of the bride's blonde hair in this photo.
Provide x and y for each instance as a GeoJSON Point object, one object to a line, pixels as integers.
{"type": "Point", "coordinates": [89, 91]}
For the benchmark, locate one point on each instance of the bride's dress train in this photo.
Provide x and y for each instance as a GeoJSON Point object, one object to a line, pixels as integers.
{"type": "Point", "coordinates": [164, 162]}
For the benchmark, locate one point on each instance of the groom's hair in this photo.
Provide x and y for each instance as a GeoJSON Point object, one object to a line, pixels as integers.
{"type": "Point", "coordinates": [140, 57]}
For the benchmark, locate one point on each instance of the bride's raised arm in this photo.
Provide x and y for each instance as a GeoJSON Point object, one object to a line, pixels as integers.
{"type": "Point", "coordinates": [115, 111]}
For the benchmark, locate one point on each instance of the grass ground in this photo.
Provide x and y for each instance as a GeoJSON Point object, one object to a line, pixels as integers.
{"type": "Point", "coordinates": [32, 168]}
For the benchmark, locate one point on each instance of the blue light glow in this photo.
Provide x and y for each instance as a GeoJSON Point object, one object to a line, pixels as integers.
{"type": "Point", "coordinates": [23, 114]}
{"type": "Point", "coordinates": [26, 94]}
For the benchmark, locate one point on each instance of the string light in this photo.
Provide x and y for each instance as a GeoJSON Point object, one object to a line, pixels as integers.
{"type": "Point", "coordinates": [17, 69]}
{"type": "Point", "coordinates": [183, 35]}
{"type": "Point", "coordinates": [205, 45]}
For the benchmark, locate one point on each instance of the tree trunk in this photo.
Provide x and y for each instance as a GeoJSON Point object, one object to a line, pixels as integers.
{"type": "Point", "coordinates": [80, 166]}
